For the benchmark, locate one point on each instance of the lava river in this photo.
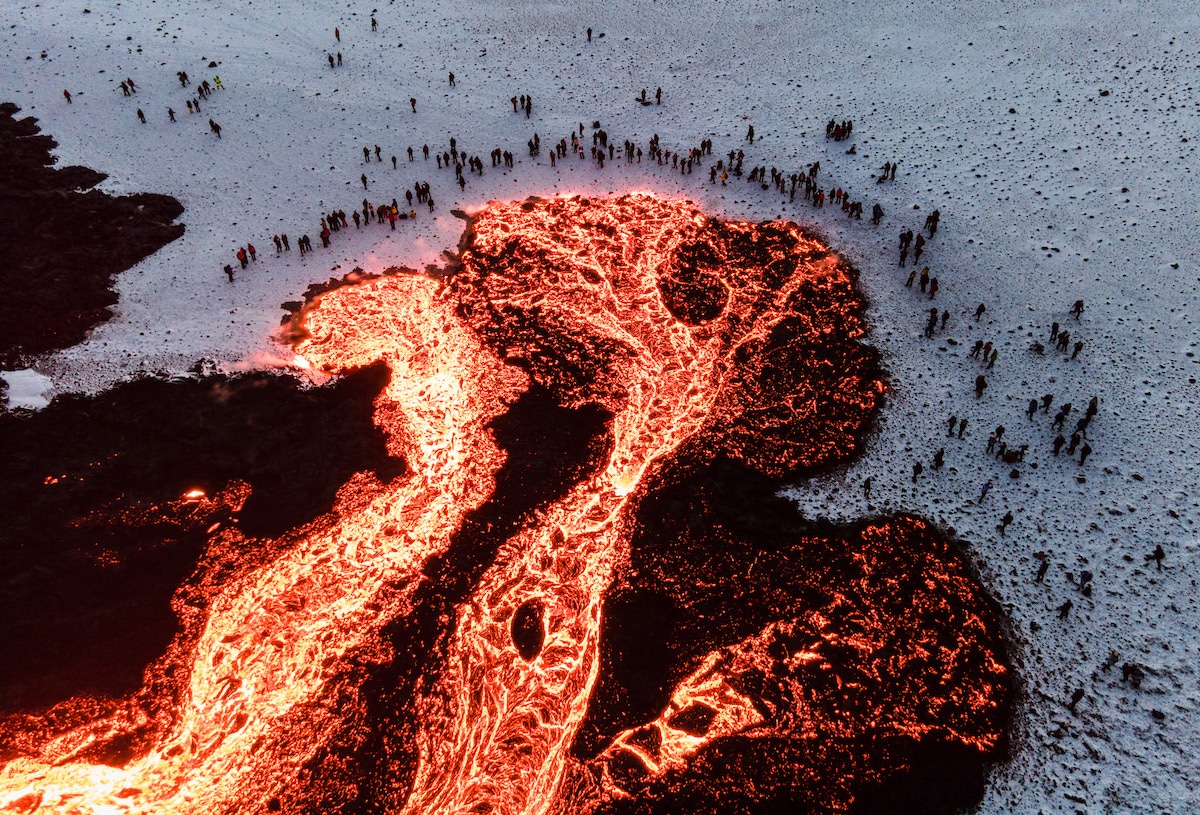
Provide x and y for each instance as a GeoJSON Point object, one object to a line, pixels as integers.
{"type": "Point", "coordinates": [593, 407]}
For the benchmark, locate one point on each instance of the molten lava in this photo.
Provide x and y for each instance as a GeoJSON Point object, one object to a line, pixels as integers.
{"type": "Point", "coordinates": [443, 643]}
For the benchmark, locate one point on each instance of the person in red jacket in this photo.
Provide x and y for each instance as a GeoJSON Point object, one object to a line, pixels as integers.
{"type": "Point", "coordinates": [253, 253]}
{"type": "Point", "coordinates": [241, 256]}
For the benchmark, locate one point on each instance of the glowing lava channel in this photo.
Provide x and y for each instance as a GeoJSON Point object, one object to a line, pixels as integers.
{"type": "Point", "coordinates": [273, 641]}
{"type": "Point", "coordinates": [586, 269]}
{"type": "Point", "coordinates": [496, 729]}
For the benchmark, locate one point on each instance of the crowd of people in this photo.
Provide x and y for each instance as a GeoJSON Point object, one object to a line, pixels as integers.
{"type": "Point", "coordinates": [203, 91]}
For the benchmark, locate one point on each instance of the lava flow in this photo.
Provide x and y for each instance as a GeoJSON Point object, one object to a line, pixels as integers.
{"type": "Point", "coordinates": [464, 638]}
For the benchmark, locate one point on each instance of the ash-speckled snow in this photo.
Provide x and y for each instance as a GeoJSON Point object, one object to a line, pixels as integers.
{"type": "Point", "coordinates": [1057, 139]}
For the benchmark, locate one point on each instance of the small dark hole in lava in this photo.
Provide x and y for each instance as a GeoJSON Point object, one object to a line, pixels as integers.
{"type": "Point", "coordinates": [527, 631]}
{"type": "Point", "coordinates": [691, 285]}
{"type": "Point", "coordinates": [693, 720]}
{"type": "Point", "coordinates": [650, 739]}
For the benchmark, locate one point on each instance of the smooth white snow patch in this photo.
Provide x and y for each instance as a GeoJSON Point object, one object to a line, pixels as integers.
{"type": "Point", "coordinates": [27, 388]}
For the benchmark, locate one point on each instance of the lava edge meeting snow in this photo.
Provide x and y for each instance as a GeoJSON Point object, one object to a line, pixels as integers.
{"type": "Point", "coordinates": [1057, 142]}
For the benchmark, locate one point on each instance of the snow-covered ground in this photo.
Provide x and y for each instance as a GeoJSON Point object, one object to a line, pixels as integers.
{"type": "Point", "coordinates": [1058, 140]}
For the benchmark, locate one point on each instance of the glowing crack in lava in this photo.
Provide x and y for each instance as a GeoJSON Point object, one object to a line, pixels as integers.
{"type": "Point", "coordinates": [452, 641]}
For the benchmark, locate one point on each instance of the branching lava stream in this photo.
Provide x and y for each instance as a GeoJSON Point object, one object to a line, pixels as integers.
{"type": "Point", "coordinates": [700, 342]}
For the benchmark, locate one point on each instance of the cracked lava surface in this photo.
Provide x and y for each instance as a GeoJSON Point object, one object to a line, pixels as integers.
{"type": "Point", "coordinates": [583, 593]}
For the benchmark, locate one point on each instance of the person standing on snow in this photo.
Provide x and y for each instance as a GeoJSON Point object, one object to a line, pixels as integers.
{"type": "Point", "coordinates": [1004, 522]}
{"type": "Point", "coordinates": [931, 324]}
{"type": "Point", "coordinates": [1157, 555]}
{"type": "Point", "coordinates": [1074, 443]}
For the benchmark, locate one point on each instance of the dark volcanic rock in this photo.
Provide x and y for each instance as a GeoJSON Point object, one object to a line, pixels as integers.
{"type": "Point", "coordinates": [882, 682]}
{"type": "Point", "coordinates": [63, 242]}
{"type": "Point", "coordinates": [98, 540]}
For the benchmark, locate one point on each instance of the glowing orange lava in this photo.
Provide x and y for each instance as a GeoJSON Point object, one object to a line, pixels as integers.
{"type": "Point", "coordinates": [721, 339]}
